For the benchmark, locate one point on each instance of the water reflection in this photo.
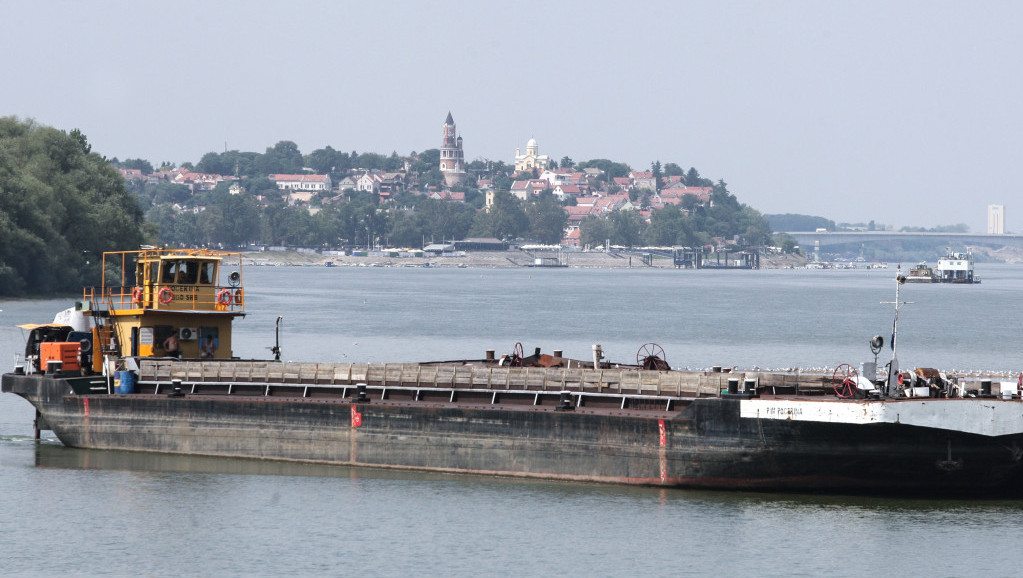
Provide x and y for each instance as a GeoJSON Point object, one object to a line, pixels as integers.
{"type": "Point", "coordinates": [52, 455]}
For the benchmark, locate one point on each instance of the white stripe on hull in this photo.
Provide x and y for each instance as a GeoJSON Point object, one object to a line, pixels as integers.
{"type": "Point", "coordinates": [986, 417]}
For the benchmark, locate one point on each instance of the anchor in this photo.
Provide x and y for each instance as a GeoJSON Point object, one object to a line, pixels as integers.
{"type": "Point", "coordinates": [950, 464]}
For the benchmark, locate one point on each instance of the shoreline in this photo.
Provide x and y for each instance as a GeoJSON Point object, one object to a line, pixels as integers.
{"type": "Point", "coordinates": [486, 260]}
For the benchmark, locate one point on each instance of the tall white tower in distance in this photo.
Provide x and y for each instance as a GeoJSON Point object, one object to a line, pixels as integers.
{"type": "Point", "coordinates": [996, 219]}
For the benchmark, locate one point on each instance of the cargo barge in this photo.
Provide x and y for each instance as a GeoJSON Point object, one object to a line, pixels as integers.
{"type": "Point", "coordinates": [109, 384]}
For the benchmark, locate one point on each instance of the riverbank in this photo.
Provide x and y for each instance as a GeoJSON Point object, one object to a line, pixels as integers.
{"type": "Point", "coordinates": [487, 260]}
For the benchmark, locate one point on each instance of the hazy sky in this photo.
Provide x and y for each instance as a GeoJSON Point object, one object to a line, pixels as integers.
{"type": "Point", "coordinates": [904, 112]}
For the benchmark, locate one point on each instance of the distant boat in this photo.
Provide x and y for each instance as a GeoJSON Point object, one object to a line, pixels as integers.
{"type": "Point", "coordinates": [922, 273]}
{"type": "Point", "coordinates": [956, 267]}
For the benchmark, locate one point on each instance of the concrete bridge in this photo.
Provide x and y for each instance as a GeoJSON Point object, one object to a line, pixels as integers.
{"type": "Point", "coordinates": [806, 240]}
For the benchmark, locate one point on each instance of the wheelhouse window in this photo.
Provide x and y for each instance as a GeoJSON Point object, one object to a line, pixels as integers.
{"type": "Point", "coordinates": [188, 272]}
{"type": "Point", "coordinates": [168, 272]}
{"type": "Point", "coordinates": [207, 272]}
{"type": "Point", "coordinates": [179, 272]}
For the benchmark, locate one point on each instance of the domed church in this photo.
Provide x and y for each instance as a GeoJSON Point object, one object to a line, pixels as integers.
{"type": "Point", "coordinates": [532, 159]}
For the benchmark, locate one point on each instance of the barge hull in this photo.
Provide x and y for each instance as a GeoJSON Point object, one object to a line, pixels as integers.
{"type": "Point", "coordinates": [704, 443]}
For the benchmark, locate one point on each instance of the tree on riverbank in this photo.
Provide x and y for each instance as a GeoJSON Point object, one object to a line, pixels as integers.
{"type": "Point", "coordinates": [724, 217]}
{"type": "Point", "coordinates": [61, 207]}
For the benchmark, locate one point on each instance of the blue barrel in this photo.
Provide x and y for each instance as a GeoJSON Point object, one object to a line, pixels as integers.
{"type": "Point", "coordinates": [124, 382]}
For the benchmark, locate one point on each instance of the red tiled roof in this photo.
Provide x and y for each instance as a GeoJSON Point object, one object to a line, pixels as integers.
{"type": "Point", "coordinates": [577, 210]}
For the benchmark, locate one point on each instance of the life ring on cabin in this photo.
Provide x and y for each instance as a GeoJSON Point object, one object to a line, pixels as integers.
{"type": "Point", "coordinates": [224, 297]}
{"type": "Point", "coordinates": [136, 296]}
{"type": "Point", "coordinates": [899, 378]}
{"type": "Point", "coordinates": [239, 297]}
{"type": "Point", "coordinates": [165, 295]}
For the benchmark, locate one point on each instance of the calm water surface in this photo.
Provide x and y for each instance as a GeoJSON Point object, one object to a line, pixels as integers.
{"type": "Point", "coordinates": [119, 513]}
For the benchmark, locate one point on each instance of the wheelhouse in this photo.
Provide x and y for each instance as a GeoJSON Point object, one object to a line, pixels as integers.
{"type": "Point", "coordinates": [151, 298]}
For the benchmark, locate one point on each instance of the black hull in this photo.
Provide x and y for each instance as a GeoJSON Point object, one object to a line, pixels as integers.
{"type": "Point", "coordinates": [704, 443]}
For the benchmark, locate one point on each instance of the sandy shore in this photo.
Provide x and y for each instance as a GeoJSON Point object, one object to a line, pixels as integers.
{"type": "Point", "coordinates": [485, 260]}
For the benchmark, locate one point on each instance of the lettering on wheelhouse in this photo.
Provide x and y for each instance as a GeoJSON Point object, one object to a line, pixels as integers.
{"type": "Point", "coordinates": [183, 293]}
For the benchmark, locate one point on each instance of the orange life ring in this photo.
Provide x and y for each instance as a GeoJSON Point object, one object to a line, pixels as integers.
{"type": "Point", "coordinates": [899, 379]}
{"type": "Point", "coordinates": [238, 297]}
{"type": "Point", "coordinates": [166, 295]}
{"type": "Point", "coordinates": [136, 295]}
{"type": "Point", "coordinates": [224, 297]}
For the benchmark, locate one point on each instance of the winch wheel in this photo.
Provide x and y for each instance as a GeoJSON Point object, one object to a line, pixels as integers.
{"type": "Point", "coordinates": [650, 354]}
{"type": "Point", "coordinates": [844, 380]}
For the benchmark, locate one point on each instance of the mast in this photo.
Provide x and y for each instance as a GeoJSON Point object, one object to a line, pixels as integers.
{"type": "Point", "coordinates": [893, 367]}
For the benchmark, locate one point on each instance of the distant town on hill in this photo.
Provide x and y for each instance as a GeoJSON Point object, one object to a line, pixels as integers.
{"type": "Point", "coordinates": [331, 198]}
{"type": "Point", "coordinates": [63, 204]}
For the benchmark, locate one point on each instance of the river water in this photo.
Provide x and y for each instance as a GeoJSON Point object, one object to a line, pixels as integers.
{"type": "Point", "coordinates": [79, 512]}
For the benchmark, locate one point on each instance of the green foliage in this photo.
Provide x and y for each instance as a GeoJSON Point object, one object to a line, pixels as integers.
{"type": "Point", "coordinates": [230, 163]}
{"type": "Point", "coordinates": [958, 228]}
{"type": "Point", "coordinates": [139, 164]}
{"type": "Point", "coordinates": [673, 170]}
{"type": "Point", "coordinates": [787, 243]}
{"type": "Point", "coordinates": [430, 157]}
{"type": "Point", "coordinates": [595, 231]}
{"type": "Point", "coordinates": [429, 220]}
{"type": "Point", "coordinates": [727, 218]}
{"type": "Point", "coordinates": [261, 186]}
{"type": "Point", "coordinates": [798, 223]}
{"type": "Point", "coordinates": [611, 169]}
{"type": "Point", "coordinates": [170, 193]}
{"type": "Point", "coordinates": [61, 207]}
{"type": "Point", "coordinates": [327, 161]}
{"type": "Point", "coordinates": [693, 179]}
{"type": "Point", "coordinates": [619, 228]}
{"type": "Point", "coordinates": [670, 226]}
{"type": "Point", "coordinates": [691, 225]}
{"type": "Point", "coordinates": [432, 178]}
{"type": "Point", "coordinates": [506, 219]}
{"type": "Point", "coordinates": [502, 182]}
{"type": "Point", "coordinates": [284, 158]}
{"type": "Point", "coordinates": [379, 162]}
{"type": "Point", "coordinates": [547, 219]}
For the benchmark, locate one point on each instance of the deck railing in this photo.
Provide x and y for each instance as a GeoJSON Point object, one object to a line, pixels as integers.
{"type": "Point", "coordinates": [476, 377]}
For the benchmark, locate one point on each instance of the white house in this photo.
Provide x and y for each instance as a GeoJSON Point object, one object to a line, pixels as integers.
{"type": "Point", "coordinates": [315, 183]}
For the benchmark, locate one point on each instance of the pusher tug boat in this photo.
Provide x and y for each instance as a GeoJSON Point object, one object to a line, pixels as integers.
{"type": "Point", "coordinates": [101, 376]}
